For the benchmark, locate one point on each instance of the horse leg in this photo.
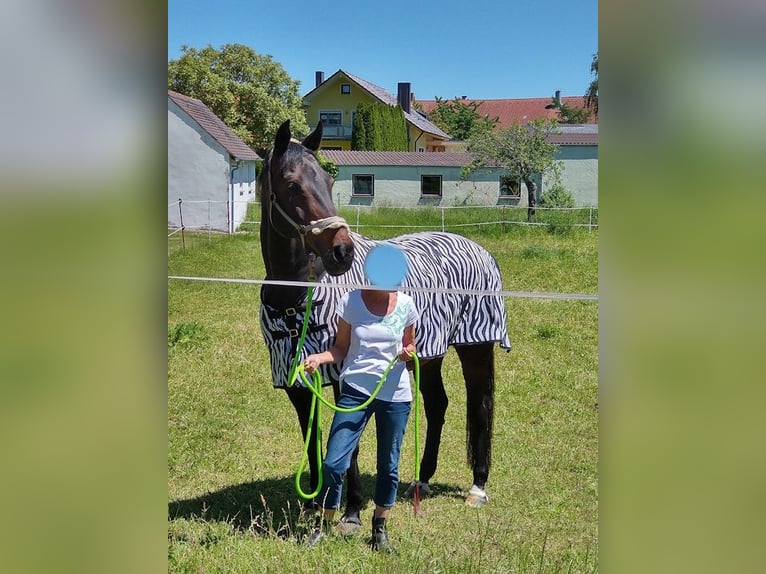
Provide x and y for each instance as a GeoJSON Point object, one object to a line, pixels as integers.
{"type": "Point", "coordinates": [350, 521]}
{"type": "Point", "coordinates": [479, 374]}
{"type": "Point", "coordinates": [435, 403]}
{"type": "Point", "coordinates": [301, 399]}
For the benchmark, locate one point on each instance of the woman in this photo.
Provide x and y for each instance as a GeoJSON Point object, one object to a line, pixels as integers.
{"type": "Point", "coordinates": [374, 327]}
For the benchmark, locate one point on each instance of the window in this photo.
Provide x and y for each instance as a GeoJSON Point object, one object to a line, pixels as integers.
{"type": "Point", "coordinates": [331, 118]}
{"type": "Point", "coordinates": [362, 184]}
{"type": "Point", "coordinates": [510, 186]}
{"type": "Point", "coordinates": [431, 185]}
{"type": "Point", "coordinates": [345, 88]}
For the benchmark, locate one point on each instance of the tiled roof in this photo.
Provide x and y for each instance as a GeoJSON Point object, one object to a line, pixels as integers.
{"type": "Point", "coordinates": [575, 134]}
{"type": "Point", "coordinates": [516, 111]}
{"type": "Point", "coordinates": [574, 139]}
{"type": "Point", "coordinates": [424, 159]}
{"type": "Point", "coordinates": [413, 116]}
{"type": "Point", "coordinates": [214, 126]}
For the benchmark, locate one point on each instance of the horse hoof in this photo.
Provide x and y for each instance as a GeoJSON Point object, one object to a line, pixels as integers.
{"type": "Point", "coordinates": [477, 497]}
{"type": "Point", "coordinates": [424, 490]}
{"type": "Point", "coordinates": [349, 524]}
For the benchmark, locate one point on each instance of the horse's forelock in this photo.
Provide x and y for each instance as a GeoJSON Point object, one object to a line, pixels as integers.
{"type": "Point", "coordinates": [294, 154]}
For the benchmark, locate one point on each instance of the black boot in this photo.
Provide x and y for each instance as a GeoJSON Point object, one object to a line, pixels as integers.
{"type": "Point", "coordinates": [321, 529]}
{"type": "Point", "coordinates": [380, 536]}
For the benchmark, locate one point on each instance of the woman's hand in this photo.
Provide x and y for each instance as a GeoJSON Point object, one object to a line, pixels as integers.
{"type": "Point", "coordinates": [406, 353]}
{"type": "Point", "coordinates": [312, 363]}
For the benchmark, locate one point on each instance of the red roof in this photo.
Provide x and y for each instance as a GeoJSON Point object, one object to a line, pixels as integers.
{"type": "Point", "coordinates": [517, 111]}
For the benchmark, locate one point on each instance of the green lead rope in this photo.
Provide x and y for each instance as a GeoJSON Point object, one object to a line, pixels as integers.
{"type": "Point", "coordinates": [298, 370]}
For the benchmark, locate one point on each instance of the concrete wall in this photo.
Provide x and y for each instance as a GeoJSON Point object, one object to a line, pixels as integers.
{"type": "Point", "coordinates": [400, 186]}
{"type": "Point", "coordinates": [243, 189]}
{"type": "Point", "coordinates": [200, 174]}
{"type": "Point", "coordinates": [580, 174]}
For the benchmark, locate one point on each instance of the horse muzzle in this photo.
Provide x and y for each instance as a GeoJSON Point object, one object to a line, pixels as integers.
{"type": "Point", "coordinates": [339, 257]}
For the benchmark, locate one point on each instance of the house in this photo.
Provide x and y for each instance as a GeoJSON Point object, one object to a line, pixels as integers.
{"type": "Point", "coordinates": [407, 179]}
{"type": "Point", "coordinates": [333, 101]}
{"type": "Point", "coordinates": [211, 171]}
{"type": "Point", "coordinates": [516, 111]}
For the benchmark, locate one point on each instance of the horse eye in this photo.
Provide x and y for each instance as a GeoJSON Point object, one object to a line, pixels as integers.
{"type": "Point", "coordinates": [293, 187]}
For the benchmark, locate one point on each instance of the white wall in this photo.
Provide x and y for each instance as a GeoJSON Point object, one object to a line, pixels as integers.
{"type": "Point", "coordinates": [400, 186]}
{"type": "Point", "coordinates": [199, 173]}
{"type": "Point", "coordinates": [243, 189]}
{"type": "Point", "coordinates": [580, 173]}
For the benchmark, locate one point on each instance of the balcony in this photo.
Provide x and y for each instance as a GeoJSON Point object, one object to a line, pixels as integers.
{"type": "Point", "coordinates": [336, 132]}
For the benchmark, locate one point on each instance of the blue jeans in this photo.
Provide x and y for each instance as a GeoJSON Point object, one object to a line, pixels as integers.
{"type": "Point", "coordinates": [345, 432]}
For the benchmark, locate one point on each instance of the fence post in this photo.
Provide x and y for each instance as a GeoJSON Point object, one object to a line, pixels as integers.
{"type": "Point", "coordinates": [590, 218]}
{"type": "Point", "coordinates": [181, 217]}
{"type": "Point", "coordinates": [209, 221]}
{"type": "Point", "coordinates": [443, 228]}
{"type": "Point", "coordinates": [357, 219]}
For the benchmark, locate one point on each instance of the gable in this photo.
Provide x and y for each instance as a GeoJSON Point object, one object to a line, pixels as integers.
{"type": "Point", "coordinates": [213, 126]}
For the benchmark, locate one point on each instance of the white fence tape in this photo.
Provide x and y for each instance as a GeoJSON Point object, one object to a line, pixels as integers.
{"type": "Point", "coordinates": [443, 226]}
{"type": "Point", "coordinates": [520, 294]}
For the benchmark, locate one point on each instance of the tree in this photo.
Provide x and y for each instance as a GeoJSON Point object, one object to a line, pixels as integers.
{"type": "Point", "coordinates": [461, 119]}
{"type": "Point", "coordinates": [250, 92]}
{"type": "Point", "coordinates": [524, 150]}
{"type": "Point", "coordinates": [379, 127]}
{"type": "Point", "coordinates": [570, 115]}
{"type": "Point", "coordinates": [591, 96]}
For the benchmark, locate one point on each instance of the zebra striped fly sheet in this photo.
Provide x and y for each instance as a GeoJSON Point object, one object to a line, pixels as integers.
{"type": "Point", "coordinates": [435, 260]}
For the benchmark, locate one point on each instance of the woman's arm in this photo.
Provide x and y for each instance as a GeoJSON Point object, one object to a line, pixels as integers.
{"type": "Point", "coordinates": [408, 343]}
{"type": "Point", "coordinates": [334, 354]}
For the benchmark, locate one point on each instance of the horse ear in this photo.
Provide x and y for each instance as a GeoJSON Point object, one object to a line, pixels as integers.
{"type": "Point", "coordinates": [313, 140]}
{"type": "Point", "coordinates": [282, 139]}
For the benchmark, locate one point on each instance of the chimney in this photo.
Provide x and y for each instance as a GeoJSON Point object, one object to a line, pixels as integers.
{"type": "Point", "coordinates": [557, 97]}
{"type": "Point", "coordinates": [403, 96]}
{"type": "Point", "coordinates": [318, 78]}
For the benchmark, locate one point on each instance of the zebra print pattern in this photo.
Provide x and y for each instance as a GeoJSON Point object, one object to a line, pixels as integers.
{"type": "Point", "coordinates": [435, 260]}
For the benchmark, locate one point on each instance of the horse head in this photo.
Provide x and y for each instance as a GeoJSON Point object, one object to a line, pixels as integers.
{"type": "Point", "coordinates": [299, 196]}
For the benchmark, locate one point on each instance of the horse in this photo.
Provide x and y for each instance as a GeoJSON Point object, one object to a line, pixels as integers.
{"type": "Point", "coordinates": [302, 236]}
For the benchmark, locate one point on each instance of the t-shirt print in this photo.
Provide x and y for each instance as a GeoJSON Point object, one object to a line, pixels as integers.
{"type": "Point", "coordinates": [395, 320]}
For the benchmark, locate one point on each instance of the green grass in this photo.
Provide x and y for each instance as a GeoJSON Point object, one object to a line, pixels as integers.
{"type": "Point", "coordinates": [234, 442]}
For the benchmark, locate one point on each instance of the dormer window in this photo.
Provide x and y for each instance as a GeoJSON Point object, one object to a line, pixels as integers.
{"type": "Point", "coordinates": [345, 88]}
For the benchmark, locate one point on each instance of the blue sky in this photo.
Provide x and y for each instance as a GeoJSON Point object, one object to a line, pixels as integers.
{"type": "Point", "coordinates": [483, 49]}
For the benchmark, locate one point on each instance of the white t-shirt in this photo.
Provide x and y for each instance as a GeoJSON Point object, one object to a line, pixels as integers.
{"type": "Point", "coordinates": [375, 341]}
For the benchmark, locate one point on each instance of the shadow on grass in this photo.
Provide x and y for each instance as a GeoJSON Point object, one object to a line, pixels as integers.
{"type": "Point", "coordinates": [272, 507]}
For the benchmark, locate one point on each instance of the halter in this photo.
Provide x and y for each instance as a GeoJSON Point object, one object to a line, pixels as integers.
{"type": "Point", "coordinates": [314, 227]}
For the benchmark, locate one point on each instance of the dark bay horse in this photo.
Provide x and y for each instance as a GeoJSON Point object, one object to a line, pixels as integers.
{"type": "Point", "coordinates": [301, 234]}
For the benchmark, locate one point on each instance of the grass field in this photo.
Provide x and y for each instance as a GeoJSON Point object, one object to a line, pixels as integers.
{"type": "Point", "coordinates": [234, 442]}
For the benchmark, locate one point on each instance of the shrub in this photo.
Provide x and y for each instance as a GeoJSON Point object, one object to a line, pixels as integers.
{"type": "Point", "coordinates": [328, 165]}
{"type": "Point", "coordinates": [557, 196]}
